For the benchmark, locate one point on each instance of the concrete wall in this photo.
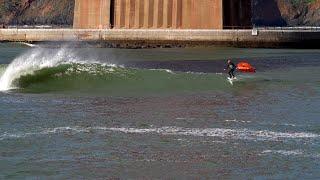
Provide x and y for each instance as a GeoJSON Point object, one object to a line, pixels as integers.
{"type": "Point", "coordinates": [175, 14]}
{"type": "Point", "coordinates": [162, 14]}
{"type": "Point", "coordinates": [92, 14]}
{"type": "Point", "coordinates": [139, 14]}
{"type": "Point", "coordinates": [242, 38]}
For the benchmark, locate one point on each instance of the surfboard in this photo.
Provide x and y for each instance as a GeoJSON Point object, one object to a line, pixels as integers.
{"type": "Point", "coordinates": [231, 80]}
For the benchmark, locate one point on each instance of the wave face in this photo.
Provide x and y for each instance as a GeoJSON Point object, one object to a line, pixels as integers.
{"type": "Point", "coordinates": [44, 70]}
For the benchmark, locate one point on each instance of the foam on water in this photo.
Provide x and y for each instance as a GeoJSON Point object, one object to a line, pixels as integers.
{"type": "Point", "coordinates": [237, 121]}
{"type": "Point", "coordinates": [240, 134]}
{"type": "Point", "coordinates": [29, 44]}
{"type": "Point", "coordinates": [284, 152]}
{"type": "Point", "coordinates": [165, 70]}
{"type": "Point", "coordinates": [297, 152]}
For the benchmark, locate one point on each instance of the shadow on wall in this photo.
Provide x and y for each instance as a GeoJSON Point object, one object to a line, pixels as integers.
{"type": "Point", "coordinates": [267, 13]}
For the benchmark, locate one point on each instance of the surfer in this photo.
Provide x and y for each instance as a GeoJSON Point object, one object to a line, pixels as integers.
{"type": "Point", "coordinates": [231, 67]}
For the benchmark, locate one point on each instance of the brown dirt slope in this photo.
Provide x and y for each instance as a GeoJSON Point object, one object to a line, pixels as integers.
{"type": "Point", "coordinates": [36, 12]}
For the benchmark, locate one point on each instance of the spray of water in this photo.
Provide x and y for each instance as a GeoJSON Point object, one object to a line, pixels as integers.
{"type": "Point", "coordinates": [33, 60]}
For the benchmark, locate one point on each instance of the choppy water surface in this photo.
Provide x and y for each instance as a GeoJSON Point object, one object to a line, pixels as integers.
{"type": "Point", "coordinates": [158, 113]}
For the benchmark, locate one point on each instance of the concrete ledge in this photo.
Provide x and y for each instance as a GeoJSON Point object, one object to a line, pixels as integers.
{"type": "Point", "coordinates": [242, 38]}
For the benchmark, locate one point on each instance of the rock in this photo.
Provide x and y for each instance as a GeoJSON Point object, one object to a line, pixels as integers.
{"type": "Point", "coordinates": [286, 13]}
{"type": "Point", "coordinates": [36, 12]}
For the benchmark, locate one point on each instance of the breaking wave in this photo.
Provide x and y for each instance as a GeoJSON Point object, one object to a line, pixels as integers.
{"type": "Point", "coordinates": [53, 70]}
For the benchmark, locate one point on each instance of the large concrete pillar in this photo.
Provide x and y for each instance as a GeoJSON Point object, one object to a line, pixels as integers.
{"type": "Point", "coordinates": [132, 13]}
{"type": "Point", "coordinates": [92, 14]}
{"type": "Point", "coordinates": [217, 13]}
{"type": "Point", "coordinates": [160, 14]}
{"type": "Point", "coordinates": [186, 14]}
{"type": "Point", "coordinates": [170, 10]}
{"type": "Point", "coordinates": [127, 14]}
{"type": "Point", "coordinates": [122, 13]}
{"type": "Point", "coordinates": [145, 14]}
{"type": "Point", "coordinates": [204, 14]}
{"type": "Point", "coordinates": [150, 13]}
{"type": "Point", "coordinates": [155, 14]}
{"type": "Point", "coordinates": [117, 13]}
{"type": "Point", "coordinates": [137, 14]}
{"type": "Point", "coordinates": [165, 14]}
{"type": "Point", "coordinates": [141, 14]}
{"type": "Point", "coordinates": [176, 14]}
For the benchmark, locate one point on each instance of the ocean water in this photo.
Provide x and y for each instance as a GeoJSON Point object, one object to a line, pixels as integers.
{"type": "Point", "coordinates": [89, 113]}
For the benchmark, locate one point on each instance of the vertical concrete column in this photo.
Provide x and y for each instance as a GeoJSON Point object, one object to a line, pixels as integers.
{"type": "Point", "coordinates": [132, 13]}
{"type": "Point", "coordinates": [76, 14]}
{"type": "Point", "coordinates": [127, 14]}
{"type": "Point", "coordinates": [105, 13]}
{"type": "Point", "coordinates": [218, 13]}
{"type": "Point", "coordinates": [150, 13]}
{"type": "Point", "coordinates": [186, 14]}
{"type": "Point", "coordinates": [174, 13]}
{"type": "Point", "coordinates": [170, 9]}
{"type": "Point", "coordinates": [141, 14]}
{"type": "Point", "coordinates": [195, 15]}
{"type": "Point", "coordinates": [156, 14]}
{"type": "Point", "coordinates": [91, 16]}
{"type": "Point", "coordinates": [122, 13]}
{"type": "Point", "coordinates": [146, 14]}
{"type": "Point", "coordinates": [84, 14]}
{"type": "Point", "coordinates": [160, 14]}
{"type": "Point", "coordinates": [102, 16]}
{"type": "Point", "coordinates": [136, 14]}
{"type": "Point", "coordinates": [165, 14]}
{"type": "Point", "coordinates": [177, 13]}
{"type": "Point", "coordinates": [118, 13]}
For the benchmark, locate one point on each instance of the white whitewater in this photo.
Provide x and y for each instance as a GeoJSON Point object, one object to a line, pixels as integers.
{"type": "Point", "coordinates": [31, 61]}
{"type": "Point", "coordinates": [29, 44]}
{"type": "Point", "coordinates": [237, 134]}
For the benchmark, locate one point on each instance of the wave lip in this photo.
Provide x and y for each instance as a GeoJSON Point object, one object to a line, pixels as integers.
{"type": "Point", "coordinates": [31, 61]}
{"type": "Point", "coordinates": [237, 134]}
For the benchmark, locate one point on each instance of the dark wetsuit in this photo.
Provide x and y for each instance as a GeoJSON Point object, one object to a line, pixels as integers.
{"type": "Point", "coordinates": [231, 68]}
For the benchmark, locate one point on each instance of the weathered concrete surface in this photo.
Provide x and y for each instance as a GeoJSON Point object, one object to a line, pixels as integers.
{"type": "Point", "coordinates": [92, 14]}
{"type": "Point", "coordinates": [168, 14]}
{"type": "Point", "coordinates": [242, 38]}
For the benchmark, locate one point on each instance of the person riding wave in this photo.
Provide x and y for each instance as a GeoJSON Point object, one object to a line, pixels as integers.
{"type": "Point", "coordinates": [231, 67]}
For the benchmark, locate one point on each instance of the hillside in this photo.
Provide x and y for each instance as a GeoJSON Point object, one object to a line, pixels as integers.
{"type": "Point", "coordinates": [35, 12]}
{"type": "Point", "coordinates": [286, 12]}
{"type": "Point", "coordinates": [60, 12]}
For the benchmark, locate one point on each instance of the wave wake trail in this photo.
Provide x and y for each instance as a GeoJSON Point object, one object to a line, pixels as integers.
{"type": "Point", "coordinates": [237, 134]}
